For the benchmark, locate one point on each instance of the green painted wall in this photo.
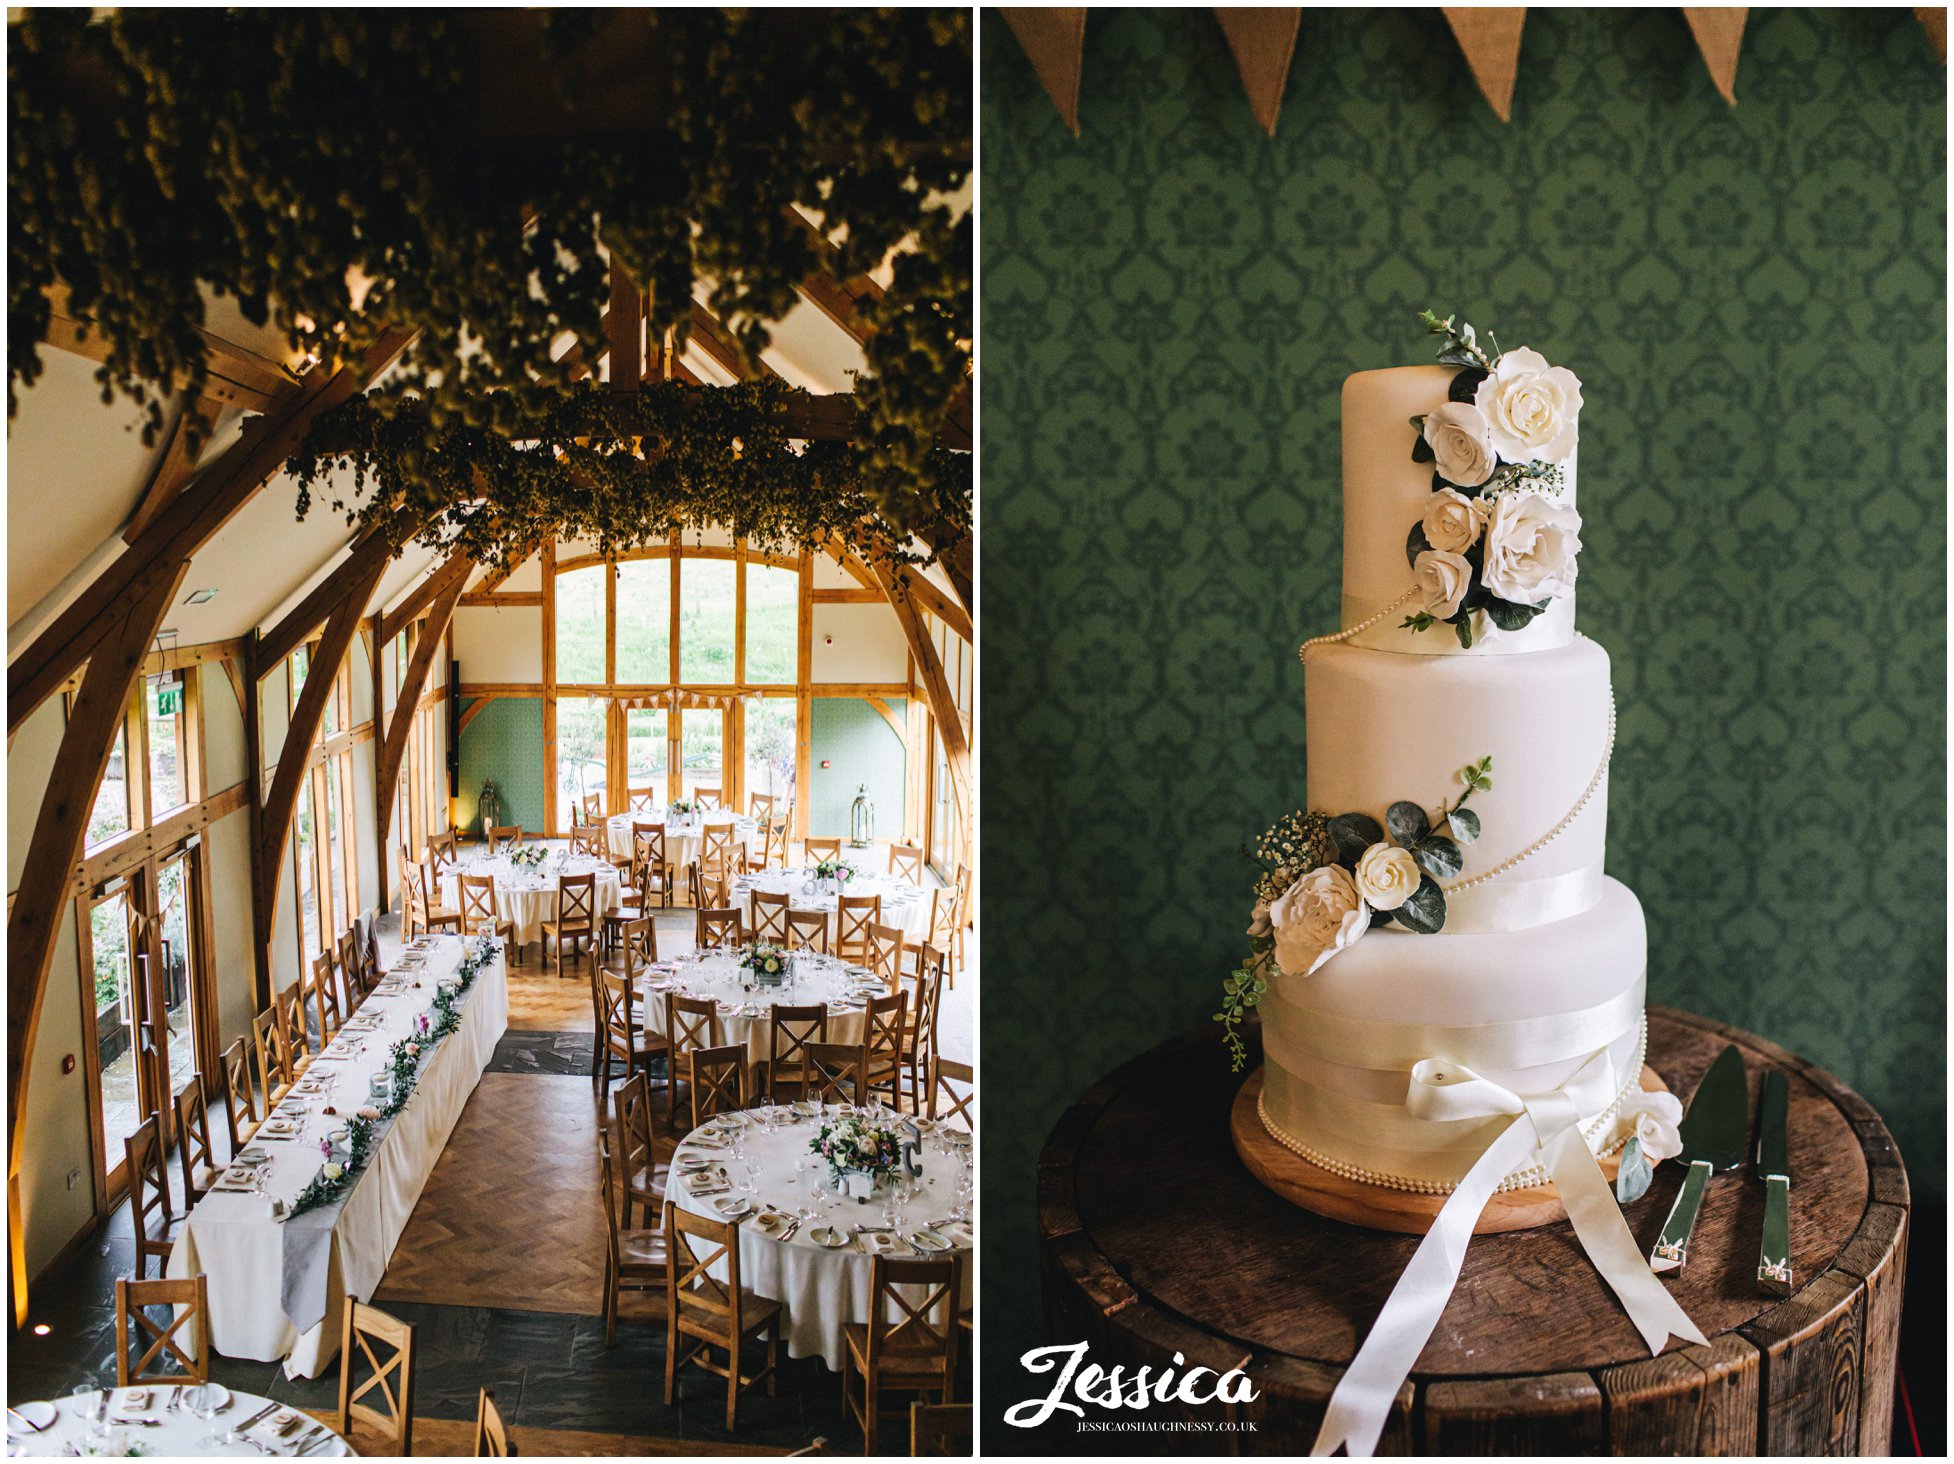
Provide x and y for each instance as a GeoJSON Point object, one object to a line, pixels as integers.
{"type": "Point", "coordinates": [505, 743]}
{"type": "Point", "coordinates": [1755, 300]}
{"type": "Point", "coordinates": [863, 748]}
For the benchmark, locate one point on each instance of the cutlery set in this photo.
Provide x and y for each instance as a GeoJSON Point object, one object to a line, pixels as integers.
{"type": "Point", "coordinates": [1716, 1134]}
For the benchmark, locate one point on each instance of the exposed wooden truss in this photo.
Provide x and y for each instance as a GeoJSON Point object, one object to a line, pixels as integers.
{"type": "Point", "coordinates": [452, 574]}
{"type": "Point", "coordinates": [393, 743]}
{"type": "Point", "coordinates": [163, 549]}
{"type": "Point", "coordinates": [370, 553]}
{"type": "Point", "coordinates": [936, 686]}
{"type": "Point", "coordinates": [173, 469]}
{"type": "Point", "coordinates": [237, 377]}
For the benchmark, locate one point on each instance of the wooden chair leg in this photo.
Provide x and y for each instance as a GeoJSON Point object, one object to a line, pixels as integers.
{"type": "Point", "coordinates": [773, 1357]}
{"type": "Point", "coordinates": [610, 1306]}
{"type": "Point", "coordinates": [732, 1385]}
{"type": "Point", "coordinates": [871, 1412]}
{"type": "Point", "coordinates": [671, 1364]}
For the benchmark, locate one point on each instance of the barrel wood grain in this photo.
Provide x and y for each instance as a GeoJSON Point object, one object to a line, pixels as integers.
{"type": "Point", "coordinates": [1157, 1241]}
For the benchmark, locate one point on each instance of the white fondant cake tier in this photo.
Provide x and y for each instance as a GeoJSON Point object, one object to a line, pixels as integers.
{"type": "Point", "coordinates": [1524, 1009]}
{"type": "Point", "coordinates": [1385, 493]}
{"type": "Point", "coordinates": [1383, 727]}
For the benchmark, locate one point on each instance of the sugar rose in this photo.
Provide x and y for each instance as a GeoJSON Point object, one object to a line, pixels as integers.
{"type": "Point", "coordinates": [1387, 876]}
{"type": "Point", "coordinates": [1532, 410]}
{"type": "Point", "coordinates": [1317, 916]}
{"type": "Point", "coordinates": [1531, 544]}
{"type": "Point", "coordinates": [1443, 579]}
{"type": "Point", "coordinates": [1461, 440]}
{"type": "Point", "coordinates": [1654, 1118]}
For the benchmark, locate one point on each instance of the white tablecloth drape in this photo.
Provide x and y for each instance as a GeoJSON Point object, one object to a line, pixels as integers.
{"type": "Point", "coordinates": [176, 1432]}
{"type": "Point", "coordinates": [684, 836]}
{"type": "Point", "coordinates": [904, 906]}
{"type": "Point", "coordinates": [234, 1240]}
{"type": "Point", "coordinates": [821, 1291]}
{"type": "Point", "coordinates": [526, 898]}
{"type": "Point", "coordinates": [744, 1007]}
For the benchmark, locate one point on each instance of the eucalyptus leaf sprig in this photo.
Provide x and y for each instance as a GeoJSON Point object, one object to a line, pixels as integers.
{"type": "Point", "coordinates": [1241, 990]}
{"type": "Point", "coordinates": [1461, 346]}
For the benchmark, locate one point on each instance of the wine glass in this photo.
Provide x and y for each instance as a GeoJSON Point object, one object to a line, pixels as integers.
{"type": "Point", "coordinates": [91, 1402]}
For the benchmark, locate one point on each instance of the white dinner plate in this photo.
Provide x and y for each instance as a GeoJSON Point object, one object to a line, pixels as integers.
{"type": "Point", "coordinates": [215, 1401]}
{"type": "Point", "coordinates": [928, 1240]}
{"type": "Point", "coordinates": [732, 1206]}
{"type": "Point", "coordinates": [827, 1237]}
{"type": "Point", "coordinates": [38, 1415]}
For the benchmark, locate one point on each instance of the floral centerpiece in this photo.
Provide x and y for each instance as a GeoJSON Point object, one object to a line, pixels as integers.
{"type": "Point", "coordinates": [683, 807]}
{"type": "Point", "coordinates": [1493, 547]}
{"type": "Point", "coordinates": [856, 1148]}
{"type": "Point", "coordinates": [834, 868]}
{"type": "Point", "coordinates": [767, 963]}
{"type": "Point", "coordinates": [1327, 882]}
{"type": "Point", "coordinates": [529, 856]}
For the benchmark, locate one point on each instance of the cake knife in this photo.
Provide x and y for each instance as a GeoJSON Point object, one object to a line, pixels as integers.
{"type": "Point", "coordinates": [1714, 1133]}
{"type": "Point", "coordinates": [1774, 1168]}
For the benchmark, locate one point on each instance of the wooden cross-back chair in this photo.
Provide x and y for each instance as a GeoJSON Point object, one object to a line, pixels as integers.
{"type": "Point", "coordinates": [592, 841]}
{"type": "Point", "coordinates": [690, 1023]}
{"type": "Point", "coordinates": [919, 1043]}
{"type": "Point", "coordinates": [717, 1079]}
{"type": "Point", "coordinates": [703, 1314]}
{"type": "Point", "coordinates": [373, 1332]}
{"type": "Point", "coordinates": [939, 1430]}
{"type": "Point", "coordinates": [959, 922]}
{"type": "Point", "coordinates": [770, 914]}
{"type": "Point", "coordinates": [320, 989]}
{"type": "Point", "coordinates": [909, 1343]}
{"type": "Point", "coordinates": [195, 1156]}
{"type": "Point", "coordinates": [789, 1030]}
{"type": "Point", "coordinates": [634, 1257]}
{"type": "Point", "coordinates": [620, 1035]}
{"type": "Point", "coordinates": [444, 850]}
{"type": "Point", "coordinates": [593, 808]}
{"type": "Point", "coordinates": [576, 915]}
{"type": "Point", "coordinates": [708, 799]}
{"type": "Point", "coordinates": [883, 1037]}
{"type": "Point", "coordinates": [479, 915]}
{"type": "Point", "coordinates": [433, 914]}
{"type": "Point", "coordinates": [240, 1100]}
{"type": "Point", "coordinates": [298, 1036]}
{"type": "Point", "coordinates": [651, 863]}
{"type": "Point", "coordinates": [156, 1222]}
{"type": "Point", "coordinates": [807, 930]}
{"type": "Point", "coordinates": [273, 1052]}
{"type": "Point", "coordinates": [774, 849]}
{"type": "Point", "coordinates": [884, 957]}
{"type": "Point", "coordinates": [759, 805]}
{"type": "Point", "coordinates": [813, 849]}
{"type": "Point", "coordinates": [644, 1150]}
{"type": "Point", "coordinates": [642, 799]}
{"type": "Point", "coordinates": [504, 837]}
{"type": "Point", "coordinates": [751, 863]}
{"type": "Point", "coordinates": [352, 968]}
{"type": "Point", "coordinates": [855, 916]}
{"type": "Point", "coordinates": [716, 846]}
{"type": "Point", "coordinates": [836, 1072]}
{"type": "Point", "coordinates": [718, 927]}
{"type": "Point", "coordinates": [134, 1328]}
{"type": "Point", "coordinates": [710, 888]}
{"type": "Point", "coordinates": [953, 1096]}
{"type": "Point", "coordinates": [906, 862]}
{"type": "Point", "coordinates": [491, 1434]}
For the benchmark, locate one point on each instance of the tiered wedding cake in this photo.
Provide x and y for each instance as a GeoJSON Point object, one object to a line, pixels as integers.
{"type": "Point", "coordinates": [1451, 988]}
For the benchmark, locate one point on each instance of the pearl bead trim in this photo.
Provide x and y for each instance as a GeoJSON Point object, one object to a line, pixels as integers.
{"type": "Point", "coordinates": [1302, 651]}
{"type": "Point", "coordinates": [1530, 1177]}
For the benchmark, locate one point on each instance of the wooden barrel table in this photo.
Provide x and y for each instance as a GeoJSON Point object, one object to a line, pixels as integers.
{"type": "Point", "coordinates": [1156, 1240]}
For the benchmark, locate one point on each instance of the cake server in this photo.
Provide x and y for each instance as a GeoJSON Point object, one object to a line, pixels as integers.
{"type": "Point", "coordinates": [1774, 1168]}
{"type": "Point", "coordinates": [1716, 1134]}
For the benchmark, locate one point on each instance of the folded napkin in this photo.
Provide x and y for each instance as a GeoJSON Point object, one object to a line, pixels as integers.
{"type": "Point", "coordinates": [709, 1183]}
{"type": "Point", "coordinates": [876, 1243]}
{"type": "Point", "coordinates": [705, 1141]}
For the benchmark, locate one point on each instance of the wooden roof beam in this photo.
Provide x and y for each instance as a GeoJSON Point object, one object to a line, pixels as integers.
{"type": "Point", "coordinates": [454, 572]}
{"type": "Point", "coordinates": [238, 377]}
{"type": "Point", "coordinates": [371, 554]}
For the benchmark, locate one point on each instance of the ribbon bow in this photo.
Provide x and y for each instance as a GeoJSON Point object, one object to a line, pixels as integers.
{"type": "Point", "coordinates": [1445, 1092]}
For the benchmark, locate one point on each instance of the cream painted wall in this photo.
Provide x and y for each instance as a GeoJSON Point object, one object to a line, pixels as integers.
{"type": "Point", "coordinates": [284, 937]}
{"type": "Point", "coordinates": [54, 1120]}
{"type": "Point", "coordinates": [868, 645]}
{"type": "Point", "coordinates": [528, 575]}
{"type": "Point", "coordinates": [363, 817]}
{"type": "Point", "coordinates": [362, 671]}
{"type": "Point", "coordinates": [831, 576]}
{"type": "Point", "coordinates": [224, 762]}
{"type": "Point", "coordinates": [499, 643]}
{"type": "Point", "coordinates": [275, 701]}
{"type": "Point", "coordinates": [29, 762]}
{"type": "Point", "coordinates": [230, 879]}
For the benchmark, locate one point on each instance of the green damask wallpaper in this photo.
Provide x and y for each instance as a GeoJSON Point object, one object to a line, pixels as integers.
{"type": "Point", "coordinates": [1755, 300]}
{"type": "Point", "coordinates": [504, 742]}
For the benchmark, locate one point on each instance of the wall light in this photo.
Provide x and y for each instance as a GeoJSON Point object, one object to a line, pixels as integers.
{"type": "Point", "coordinates": [200, 597]}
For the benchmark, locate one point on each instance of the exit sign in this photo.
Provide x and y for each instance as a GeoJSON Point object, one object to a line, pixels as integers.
{"type": "Point", "coordinates": [169, 699]}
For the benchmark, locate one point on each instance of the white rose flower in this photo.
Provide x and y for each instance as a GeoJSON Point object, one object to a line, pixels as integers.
{"type": "Point", "coordinates": [333, 1171]}
{"type": "Point", "coordinates": [1531, 544]}
{"type": "Point", "coordinates": [1317, 916]}
{"type": "Point", "coordinates": [1461, 440]}
{"type": "Point", "coordinates": [1653, 1118]}
{"type": "Point", "coordinates": [1387, 876]}
{"type": "Point", "coordinates": [1258, 920]}
{"type": "Point", "coordinates": [1452, 521]}
{"type": "Point", "coordinates": [1532, 410]}
{"type": "Point", "coordinates": [1443, 579]}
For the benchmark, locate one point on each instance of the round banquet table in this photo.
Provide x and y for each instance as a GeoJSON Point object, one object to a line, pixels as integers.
{"type": "Point", "coordinates": [526, 898]}
{"type": "Point", "coordinates": [175, 1432]}
{"type": "Point", "coordinates": [903, 905]}
{"type": "Point", "coordinates": [1156, 1239]}
{"type": "Point", "coordinates": [744, 1006]}
{"type": "Point", "coordinates": [684, 834]}
{"type": "Point", "coordinates": [822, 1290]}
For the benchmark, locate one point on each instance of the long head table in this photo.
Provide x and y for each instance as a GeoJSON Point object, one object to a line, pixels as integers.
{"type": "Point", "coordinates": [277, 1282]}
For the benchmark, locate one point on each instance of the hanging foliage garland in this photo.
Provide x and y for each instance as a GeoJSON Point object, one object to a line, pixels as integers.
{"type": "Point", "coordinates": [338, 171]}
{"type": "Point", "coordinates": [615, 470]}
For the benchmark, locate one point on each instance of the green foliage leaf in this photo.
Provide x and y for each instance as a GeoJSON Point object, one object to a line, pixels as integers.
{"type": "Point", "coordinates": [1419, 622]}
{"type": "Point", "coordinates": [1465, 386]}
{"type": "Point", "coordinates": [1421, 450]}
{"type": "Point", "coordinates": [1464, 824]}
{"type": "Point", "coordinates": [1509, 616]}
{"type": "Point", "coordinates": [1408, 823]}
{"type": "Point", "coordinates": [1438, 856]}
{"type": "Point", "coordinates": [1463, 626]}
{"type": "Point", "coordinates": [1415, 544]}
{"type": "Point", "coordinates": [1424, 912]}
{"type": "Point", "coordinates": [1354, 833]}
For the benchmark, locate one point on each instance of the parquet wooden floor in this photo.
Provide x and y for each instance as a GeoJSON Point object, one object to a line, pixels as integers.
{"type": "Point", "coordinates": [511, 1216]}
{"type": "Point", "coordinates": [452, 1438]}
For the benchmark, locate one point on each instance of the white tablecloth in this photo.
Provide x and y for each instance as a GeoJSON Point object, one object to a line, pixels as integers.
{"type": "Point", "coordinates": [235, 1241]}
{"type": "Point", "coordinates": [177, 1432]}
{"type": "Point", "coordinates": [820, 1291]}
{"type": "Point", "coordinates": [744, 1007]}
{"type": "Point", "coordinates": [903, 905]}
{"type": "Point", "coordinates": [684, 835]}
{"type": "Point", "coordinates": [527, 898]}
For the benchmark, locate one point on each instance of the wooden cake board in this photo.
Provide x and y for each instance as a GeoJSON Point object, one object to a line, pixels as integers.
{"type": "Point", "coordinates": [1322, 1193]}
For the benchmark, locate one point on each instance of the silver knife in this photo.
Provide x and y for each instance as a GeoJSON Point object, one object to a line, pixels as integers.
{"type": "Point", "coordinates": [264, 1412]}
{"type": "Point", "coordinates": [1715, 1135]}
{"type": "Point", "coordinates": [1774, 1168]}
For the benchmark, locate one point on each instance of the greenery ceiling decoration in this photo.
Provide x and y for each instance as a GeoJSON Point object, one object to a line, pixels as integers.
{"type": "Point", "coordinates": [619, 470]}
{"type": "Point", "coordinates": [339, 171]}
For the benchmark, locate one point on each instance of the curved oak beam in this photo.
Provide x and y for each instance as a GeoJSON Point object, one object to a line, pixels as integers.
{"type": "Point", "coordinates": [393, 746]}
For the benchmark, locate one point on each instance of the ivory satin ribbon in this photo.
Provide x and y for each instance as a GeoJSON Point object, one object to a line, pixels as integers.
{"type": "Point", "coordinates": [1505, 903]}
{"type": "Point", "coordinates": [1524, 1043]}
{"type": "Point", "coordinates": [1445, 1092]}
{"type": "Point", "coordinates": [1441, 641]}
